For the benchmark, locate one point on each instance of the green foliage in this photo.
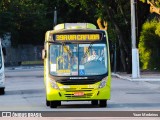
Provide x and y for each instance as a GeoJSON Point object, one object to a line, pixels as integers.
{"type": "Point", "coordinates": [120, 11]}
{"type": "Point", "coordinates": [24, 19]}
{"type": "Point", "coordinates": [144, 1]}
{"type": "Point", "coordinates": [28, 20]}
{"type": "Point", "coordinates": [157, 31]}
{"type": "Point", "coordinates": [155, 2]}
{"type": "Point", "coordinates": [149, 45]}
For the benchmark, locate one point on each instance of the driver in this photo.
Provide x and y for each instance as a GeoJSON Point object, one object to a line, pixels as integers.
{"type": "Point", "coordinates": [94, 56]}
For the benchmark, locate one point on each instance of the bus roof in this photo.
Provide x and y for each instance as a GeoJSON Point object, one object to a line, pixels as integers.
{"type": "Point", "coordinates": [74, 26]}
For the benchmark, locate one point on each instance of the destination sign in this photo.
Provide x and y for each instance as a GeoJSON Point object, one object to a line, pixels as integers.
{"type": "Point", "coordinates": [77, 37]}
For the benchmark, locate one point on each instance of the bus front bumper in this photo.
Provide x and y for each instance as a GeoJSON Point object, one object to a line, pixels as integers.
{"type": "Point", "coordinates": [82, 94]}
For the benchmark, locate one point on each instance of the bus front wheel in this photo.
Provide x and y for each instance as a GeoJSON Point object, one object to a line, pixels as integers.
{"type": "Point", "coordinates": [103, 103]}
{"type": "Point", "coordinates": [94, 102]}
{"type": "Point", "coordinates": [47, 102]}
{"type": "Point", "coordinates": [54, 104]}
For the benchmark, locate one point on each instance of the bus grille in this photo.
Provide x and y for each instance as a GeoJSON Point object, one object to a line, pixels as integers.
{"type": "Point", "coordinates": [75, 89]}
{"type": "Point", "coordinates": [71, 96]}
{"type": "Point", "coordinates": [78, 82]}
{"type": "Point", "coordinates": [70, 92]}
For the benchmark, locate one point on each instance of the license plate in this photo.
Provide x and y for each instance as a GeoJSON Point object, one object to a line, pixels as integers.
{"type": "Point", "coordinates": [78, 93]}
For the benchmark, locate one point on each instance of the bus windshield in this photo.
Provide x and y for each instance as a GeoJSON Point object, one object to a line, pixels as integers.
{"type": "Point", "coordinates": [78, 59]}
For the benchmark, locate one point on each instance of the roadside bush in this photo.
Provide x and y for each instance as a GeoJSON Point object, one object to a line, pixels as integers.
{"type": "Point", "coordinates": [149, 45]}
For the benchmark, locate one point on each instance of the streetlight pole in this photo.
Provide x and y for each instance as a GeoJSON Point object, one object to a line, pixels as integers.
{"type": "Point", "coordinates": [135, 54]}
{"type": "Point", "coordinates": [55, 17]}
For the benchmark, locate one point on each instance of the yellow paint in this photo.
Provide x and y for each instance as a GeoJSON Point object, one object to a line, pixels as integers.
{"type": "Point", "coordinates": [63, 71]}
{"type": "Point", "coordinates": [78, 37]}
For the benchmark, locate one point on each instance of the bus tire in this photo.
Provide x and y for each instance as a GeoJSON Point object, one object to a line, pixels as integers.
{"type": "Point", "coordinates": [54, 104]}
{"type": "Point", "coordinates": [103, 103]}
{"type": "Point", "coordinates": [47, 102]}
{"type": "Point", "coordinates": [59, 103]}
{"type": "Point", "coordinates": [94, 102]}
{"type": "Point", "coordinates": [2, 92]}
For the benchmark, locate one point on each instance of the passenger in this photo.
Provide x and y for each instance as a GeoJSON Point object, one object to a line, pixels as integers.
{"type": "Point", "coordinates": [94, 56]}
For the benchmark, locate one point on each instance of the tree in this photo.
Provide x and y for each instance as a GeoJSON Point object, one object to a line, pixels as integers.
{"type": "Point", "coordinates": [25, 22]}
{"type": "Point", "coordinates": [117, 15]}
{"type": "Point", "coordinates": [149, 35]}
{"type": "Point", "coordinates": [5, 17]}
{"type": "Point", "coordinates": [154, 5]}
{"type": "Point", "coordinates": [28, 20]}
{"type": "Point", "coordinates": [149, 45]}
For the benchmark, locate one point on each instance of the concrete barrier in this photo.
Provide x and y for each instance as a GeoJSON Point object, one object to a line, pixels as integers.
{"type": "Point", "coordinates": [15, 56]}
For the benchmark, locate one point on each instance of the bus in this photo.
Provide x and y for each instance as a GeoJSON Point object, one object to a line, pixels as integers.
{"type": "Point", "coordinates": [76, 64]}
{"type": "Point", "coordinates": [2, 76]}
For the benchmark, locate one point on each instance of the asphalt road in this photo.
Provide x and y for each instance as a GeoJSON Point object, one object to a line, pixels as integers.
{"type": "Point", "coordinates": [25, 92]}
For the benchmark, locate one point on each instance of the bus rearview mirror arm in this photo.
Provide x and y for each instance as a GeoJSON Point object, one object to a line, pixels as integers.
{"type": "Point", "coordinates": [44, 55]}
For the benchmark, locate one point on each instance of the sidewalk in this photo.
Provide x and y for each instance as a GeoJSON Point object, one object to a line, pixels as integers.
{"type": "Point", "coordinates": [144, 76]}
{"type": "Point", "coordinates": [29, 67]}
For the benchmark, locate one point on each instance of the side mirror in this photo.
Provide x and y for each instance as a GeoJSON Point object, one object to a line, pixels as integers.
{"type": "Point", "coordinates": [44, 54]}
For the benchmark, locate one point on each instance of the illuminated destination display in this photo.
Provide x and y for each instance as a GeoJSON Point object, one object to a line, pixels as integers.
{"type": "Point", "coordinates": [78, 37]}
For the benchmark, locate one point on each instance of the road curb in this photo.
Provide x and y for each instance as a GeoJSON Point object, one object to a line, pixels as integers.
{"type": "Point", "coordinates": [24, 67]}
{"type": "Point", "coordinates": [136, 79]}
{"type": "Point", "coordinates": [121, 77]}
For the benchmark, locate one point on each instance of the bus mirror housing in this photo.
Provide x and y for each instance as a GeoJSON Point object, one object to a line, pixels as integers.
{"type": "Point", "coordinates": [43, 54]}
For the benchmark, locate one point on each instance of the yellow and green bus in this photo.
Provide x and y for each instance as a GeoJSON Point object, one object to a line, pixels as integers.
{"type": "Point", "coordinates": [76, 64]}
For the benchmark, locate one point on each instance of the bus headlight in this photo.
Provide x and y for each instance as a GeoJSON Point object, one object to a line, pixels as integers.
{"type": "Point", "coordinates": [54, 84]}
{"type": "Point", "coordinates": [103, 82]}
